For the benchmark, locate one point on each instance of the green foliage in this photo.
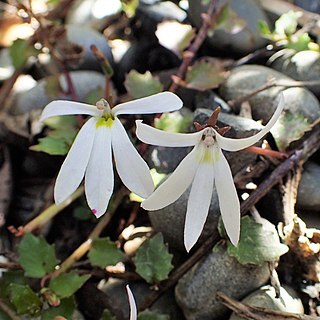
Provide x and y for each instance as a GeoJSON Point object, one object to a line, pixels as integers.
{"type": "Point", "coordinates": [66, 284]}
{"type": "Point", "coordinates": [287, 23]}
{"type": "Point", "coordinates": [20, 51]}
{"type": "Point", "coordinates": [229, 21]}
{"type": "Point", "coordinates": [60, 136]}
{"type": "Point", "coordinates": [290, 127]}
{"type": "Point", "coordinates": [82, 213]}
{"type": "Point", "coordinates": [259, 242]}
{"type": "Point", "coordinates": [152, 260]}
{"type": "Point", "coordinates": [107, 315]}
{"type": "Point", "coordinates": [152, 315]}
{"type": "Point", "coordinates": [286, 33]}
{"type": "Point", "coordinates": [65, 309]}
{"type": "Point", "coordinates": [7, 279]}
{"type": "Point", "coordinates": [142, 85]}
{"type": "Point", "coordinates": [94, 95]}
{"type": "Point", "coordinates": [24, 299]}
{"type": "Point", "coordinates": [206, 73]}
{"type": "Point", "coordinates": [36, 256]}
{"type": "Point", "coordinates": [104, 253]}
{"type": "Point", "coordinates": [130, 7]}
{"type": "Point", "coordinates": [173, 122]}
{"type": "Point", "coordinates": [53, 87]}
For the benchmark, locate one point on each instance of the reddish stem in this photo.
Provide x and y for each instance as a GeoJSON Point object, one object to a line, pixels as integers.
{"type": "Point", "coordinates": [189, 54]}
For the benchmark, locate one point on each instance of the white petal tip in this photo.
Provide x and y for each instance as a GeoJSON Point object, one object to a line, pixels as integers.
{"type": "Point", "coordinates": [97, 213]}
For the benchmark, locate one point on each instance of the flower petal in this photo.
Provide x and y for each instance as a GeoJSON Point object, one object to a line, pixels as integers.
{"type": "Point", "coordinates": [99, 175]}
{"type": "Point", "coordinates": [132, 304]}
{"type": "Point", "coordinates": [238, 144]}
{"type": "Point", "coordinates": [132, 169]}
{"type": "Point", "coordinates": [62, 108]}
{"type": "Point", "coordinates": [157, 103]}
{"type": "Point", "coordinates": [198, 204]}
{"type": "Point", "coordinates": [177, 183]}
{"type": "Point", "coordinates": [74, 166]}
{"type": "Point", "coordinates": [150, 135]}
{"type": "Point", "coordinates": [228, 198]}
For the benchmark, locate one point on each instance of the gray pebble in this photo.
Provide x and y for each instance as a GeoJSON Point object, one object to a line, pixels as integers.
{"type": "Point", "coordinates": [265, 297]}
{"type": "Point", "coordinates": [196, 290]}
{"type": "Point", "coordinates": [245, 41]}
{"type": "Point", "coordinates": [37, 97]}
{"type": "Point", "coordinates": [308, 192]}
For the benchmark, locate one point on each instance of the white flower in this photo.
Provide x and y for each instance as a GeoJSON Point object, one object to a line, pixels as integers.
{"type": "Point", "coordinates": [201, 168]}
{"type": "Point", "coordinates": [90, 156]}
{"type": "Point", "coordinates": [132, 304]}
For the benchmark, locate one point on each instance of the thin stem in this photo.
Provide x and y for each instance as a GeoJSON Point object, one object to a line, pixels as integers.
{"type": "Point", "coordinates": [85, 246]}
{"type": "Point", "coordinates": [8, 311]}
{"type": "Point", "coordinates": [189, 54]}
{"type": "Point", "coordinates": [46, 215]}
{"type": "Point", "coordinates": [257, 313]}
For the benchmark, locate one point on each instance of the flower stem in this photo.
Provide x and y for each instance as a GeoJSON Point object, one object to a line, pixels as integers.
{"type": "Point", "coordinates": [208, 19]}
{"type": "Point", "coordinates": [85, 246]}
{"type": "Point", "coordinates": [50, 212]}
{"type": "Point", "coordinates": [8, 311]}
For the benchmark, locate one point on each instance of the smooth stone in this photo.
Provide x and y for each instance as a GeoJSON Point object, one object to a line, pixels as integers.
{"type": "Point", "coordinates": [85, 37]}
{"type": "Point", "coordinates": [6, 66]}
{"type": "Point", "coordinates": [196, 290]}
{"type": "Point", "coordinates": [171, 219]}
{"type": "Point", "coordinates": [36, 98]}
{"type": "Point", "coordinates": [265, 297]}
{"type": "Point", "coordinates": [309, 5]}
{"type": "Point", "coordinates": [93, 13]}
{"type": "Point", "coordinates": [166, 304]}
{"type": "Point", "coordinates": [210, 100]}
{"type": "Point", "coordinates": [303, 66]}
{"type": "Point", "coordinates": [165, 10]}
{"type": "Point", "coordinates": [308, 197]}
{"type": "Point", "coordinates": [248, 78]}
{"type": "Point", "coordinates": [243, 42]}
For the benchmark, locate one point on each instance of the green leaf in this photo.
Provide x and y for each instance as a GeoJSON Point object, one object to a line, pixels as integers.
{"type": "Point", "coordinates": [287, 23]}
{"type": "Point", "coordinates": [264, 28]}
{"type": "Point", "coordinates": [174, 122]}
{"type": "Point", "coordinates": [152, 260]}
{"type": "Point", "coordinates": [59, 138]}
{"type": "Point", "coordinates": [7, 279]}
{"type": "Point", "coordinates": [104, 253]}
{"type": "Point", "coordinates": [20, 51]}
{"type": "Point", "coordinates": [65, 309]}
{"type": "Point", "coordinates": [107, 315]}
{"type": "Point", "coordinates": [290, 127]}
{"type": "Point", "coordinates": [229, 21]}
{"type": "Point", "coordinates": [130, 7]}
{"type": "Point", "coordinates": [24, 299]}
{"type": "Point", "coordinates": [82, 213]}
{"type": "Point", "coordinates": [141, 85]}
{"type": "Point", "coordinates": [206, 73]}
{"type": "Point", "coordinates": [66, 284]}
{"type": "Point", "coordinates": [94, 95]}
{"type": "Point", "coordinates": [152, 315]}
{"type": "Point", "coordinates": [36, 256]}
{"type": "Point", "coordinates": [259, 242]}
{"type": "Point", "coordinates": [53, 87]}
{"type": "Point", "coordinates": [299, 43]}
{"type": "Point", "coordinates": [52, 146]}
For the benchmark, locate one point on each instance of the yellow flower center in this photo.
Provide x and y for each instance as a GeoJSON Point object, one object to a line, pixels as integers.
{"type": "Point", "coordinates": [105, 120]}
